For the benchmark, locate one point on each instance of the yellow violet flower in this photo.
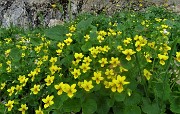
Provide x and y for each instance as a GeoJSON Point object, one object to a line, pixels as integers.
{"type": "Point", "coordinates": [122, 69]}
{"type": "Point", "coordinates": [9, 105]}
{"type": "Point", "coordinates": [54, 68]}
{"type": "Point", "coordinates": [97, 77]}
{"type": "Point", "coordinates": [84, 67]}
{"type": "Point", "coordinates": [114, 61]}
{"type": "Point", "coordinates": [11, 90]}
{"type": "Point", "coordinates": [39, 111]}
{"type": "Point", "coordinates": [128, 53]}
{"type": "Point", "coordinates": [178, 56]}
{"type": "Point", "coordinates": [87, 60]}
{"type": "Point", "coordinates": [78, 56]}
{"type": "Point", "coordinates": [49, 80]}
{"type": "Point", "coordinates": [86, 37]}
{"type": "Point", "coordinates": [3, 85]}
{"type": "Point", "coordinates": [76, 73]}
{"type": "Point", "coordinates": [59, 51]}
{"type": "Point", "coordinates": [72, 28]}
{"type": "Point", "coordinates": [162, 58]}
{"type": "Point", "coordinates": [59, 87]}
{"type": "Point", "coordinates": [103, 61]}
{"type": "Point", "coordinates": [23, 108]}
{"type": "Point", "coordinates": [61, 45]}
{"type": "Point", "coordinates": [107, 84]}
{"type": "Point", "coordinates": [70, 90]}
{"type": "Point", "coordinates": [35, 89]}
{"type": "Point", "coordinates": [68, 41]}
{"type": "Point", "coordinates": [120, 82]}
{"type": "Point", "coordinates": [48, 101]}
{"type": "Point", "coordinates": [53, 59]}
{"type": "Point", "coordinates": [69, 35]}
{"type": "Point", "coordinates": [147, 74]}
{"type": "Point", "coordinates": [87, 85]}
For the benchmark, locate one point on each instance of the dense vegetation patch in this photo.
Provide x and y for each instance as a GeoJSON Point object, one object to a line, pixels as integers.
{"type": "Point", "coordinates": [126, 63]}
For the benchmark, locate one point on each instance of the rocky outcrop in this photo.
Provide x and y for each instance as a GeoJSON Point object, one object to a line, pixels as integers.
{"type": "Point", "coordinates": [31, 13]}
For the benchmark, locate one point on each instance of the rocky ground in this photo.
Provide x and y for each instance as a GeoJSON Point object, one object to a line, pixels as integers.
{"type": "Point", "coordinates": [42, 12]}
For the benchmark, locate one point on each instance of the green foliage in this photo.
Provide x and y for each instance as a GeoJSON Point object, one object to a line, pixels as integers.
{"type": "Point", "coordinates": [124, 64]}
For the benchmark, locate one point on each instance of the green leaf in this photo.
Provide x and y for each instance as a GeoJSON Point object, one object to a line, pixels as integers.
{"type": "Point", "coordinates": [59, 100]}
{"type": "Point", "coordinates": [84, 24]}
{"type": "Point", "coordinates": [132, 110]}
{"type": "Point", "coordinates": [2, 108]}
{"type": "Point", "coordinates": [162, 90]}
{"type": "Point", "coordinates": [118, 108]}
{"type": "Point", "coordinates": [57, 33]}
{"type": "Point", "coordinates": [72, 105]}
{"type": "Point", "coordinates": [175, 104]}
{"type": "Point", "coordinates": [119, 96]}
{"type": "Point", "coordinates": [89, 106]}
{"type": "Point", "coordinates": [134, 99]}
{"type": "Point", "coordinates": [86, 46]}
{"type": "Point", "coordinates": [67, 60]}
{"type": "Point", "coordinates": [147, 107]}
{"type": "Point", "coordinates": [103, 105]}
{"type": "Point", "coordinates": [15, 54]}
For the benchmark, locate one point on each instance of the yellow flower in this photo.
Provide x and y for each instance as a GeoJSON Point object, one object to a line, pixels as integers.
{"type": "Point", "coordinates": [107, 84]}
{"type": "Point", "coordinates": [68, 41]}
{"type": "Point", "coordinates": [39, 111]}
{"type": "Point", "coordinates": [61, 45]}
{"type": "Point", "coordinates": [87, 60]}
{"type": "Point", "coordinates": [48, 101]}
{"type": "Point", "coordinates": [23, 55]}
{"type": "Point", "coordinates": [23, 108]}
{"type": "Point", "coordinates": [53, 5]}
{"type": "Point", "coordinates": [45, 58]}
{"type": "Point", "coordinates": [11, 90]}
{"type": "Point", "coordinates": [147, 74]}
{"type": "Point", "coordinates": [59, 51]}
{"type": "Point", "coordinates": [84, 67]}
{"type": "Point", "coordinates": [128, 53]}
{"type": "Point", "coordinates": [49, 80]}
{"type": "Point", "coordinates": [9, 105]}
{"type": "Point", "coordinates": [113, 85]}
{"type": "Point", "coordinates": [70, 90]}
{"type": "Point", "coordinates": [72, 28]}
{"type": "Point", "coordinates": [94, 52]}
{"type": "Point", "coordinates": [97, 77]}
{"type": "Point", "coordinates": [8, 62]}
{"type": "Point", "coordinates": [178, 56]}
{"type": "Point", "coordinates": [7, 52]}
{"type": "Point", "coordinates": [59, 87]}
{"type": "Point", "coordinates": [78, 56]}
{"type": "Point", "coordinates": [138, 45]}
{"type": "Point", "coordinates": [87, 85]}
{"type": "Point", "coordinates": [69, 35]}
{"type": "Point", "coordinates": [87, 37]}
{"type": "Point", "coordinates": [119, 48]}
{"type": "Point", "coordinates": [120, 81]}
{"type": "Point", "coordinates": [18, 87]}
{"type": "Point", "coordinates": [122, 69]}
{"type": "Point", "coordinates": [109, 73]}
{"type": "Point", "coordinates": [3, 85]}
{"type": "Point", "coordinates": [162, 59]}
{"type": "Point", "coordinates": [76, 73]}
{"type": "Point", "coordinates": [54, 68]}
{"type": "Point", "coordinates": [152, 44]}
{"type": "Point", "coordinates": [103, 61]}
{"type": "Point", "coordinates": [53, 60]}
{"type": "Point", "coordinates": [114, 61]}
{"type": "Point", "coordinates": [100, 38]}
{"type": "Point", "coordinates": [22, 79]}
{"type": "Point", "coordinates": [35, 89]}
{"type": "Point", "coordinates": [148, 57]}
